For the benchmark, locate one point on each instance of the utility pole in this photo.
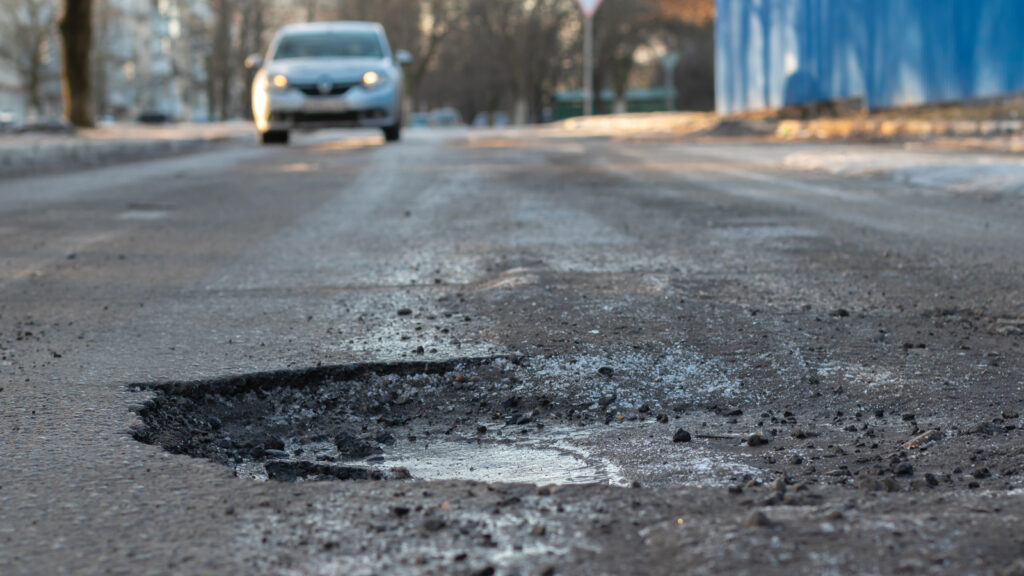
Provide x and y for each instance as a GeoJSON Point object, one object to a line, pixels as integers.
{"type": "Point", "coordinates": [589, 7]}
{"type": "Point", "coordinates": [669, 62]}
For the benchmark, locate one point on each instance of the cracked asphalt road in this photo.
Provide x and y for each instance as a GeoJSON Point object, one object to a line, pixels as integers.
{"type": "Point", "coordinates": [734, 287]}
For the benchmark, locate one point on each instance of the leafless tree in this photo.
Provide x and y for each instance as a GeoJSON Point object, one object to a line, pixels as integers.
{"type": "Point", "coordinates": [521, 50]}
{"type": "Point", "coordinates": [620, 27]}
{"type": "Point", "coordinates": [220, 65]}
{"type": "Point", "coordinates": [26, 31]}
{"type": "Point", "coordinates": [684, 26]}
{"type": "Point", "coordinates": [687, 28]}
{"type": "Point", "coordinates": [253, 30]}
{"type": "Point", "coordinates": [698, 13]}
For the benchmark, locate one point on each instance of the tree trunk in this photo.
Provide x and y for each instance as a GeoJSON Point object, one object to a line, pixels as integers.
{"type": "Point", "coordinates": [76, 31]}
{"type": "Point", "coordinates": [102, 57]}
{"type": "Point", "coordinates": [211, 90]}
{"type": "Point", "coordinates": [249, 43]}
{"type": "Point", "coordinates": [221, 69]}
{"type": "Point", "coordinates": [35, 100]}
{"type": "Point", "coordinates": [520, 111]}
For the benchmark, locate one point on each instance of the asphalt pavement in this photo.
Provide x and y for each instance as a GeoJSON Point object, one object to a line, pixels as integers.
{"type": "Point", "coordinates": [530, 317]}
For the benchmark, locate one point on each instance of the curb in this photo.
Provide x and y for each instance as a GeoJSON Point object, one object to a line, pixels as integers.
{"type": "Point", "coordinates": [687, 123]}
{"type": "Point", "coordinates": [644, 123]}
{"type": "Point", "coordinates": [36, 157]}
{"type": "Point", "coordinates": [829, 129]}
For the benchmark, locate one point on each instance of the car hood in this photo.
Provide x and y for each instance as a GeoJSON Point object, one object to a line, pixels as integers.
{"type": "Point", "coordinates": [301, 70]}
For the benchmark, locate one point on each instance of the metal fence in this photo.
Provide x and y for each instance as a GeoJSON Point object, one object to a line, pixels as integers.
{"type": "Point", "coordinates": [774, 53]}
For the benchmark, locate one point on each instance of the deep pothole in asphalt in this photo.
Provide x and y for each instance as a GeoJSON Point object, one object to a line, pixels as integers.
{"type": "Point", "coordinates": [472, 419]}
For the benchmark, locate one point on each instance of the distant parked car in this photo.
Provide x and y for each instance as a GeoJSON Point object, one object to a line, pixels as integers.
{"type": "Point", "coordinates": [328, 75]}
{"type": "Point", "coordinates": [154, 117]}
{"type": "Point", "coordinates": [7, 121]}
{"type": "Point", "coordinates": [419, 120]}
{"type": "Point", "coordinates": [445, 117]}
{"type": "Point", "coordinates": [484, 119]}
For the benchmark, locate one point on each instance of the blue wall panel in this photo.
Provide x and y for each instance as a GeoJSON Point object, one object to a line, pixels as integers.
{"type": "Point", "coordinates": [773, 53]}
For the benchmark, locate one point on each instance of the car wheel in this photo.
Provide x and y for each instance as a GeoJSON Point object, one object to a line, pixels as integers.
{"type": "Point", "coordinates": [393, 133]}
{"type": "Point", "coordinates": [275, 137]}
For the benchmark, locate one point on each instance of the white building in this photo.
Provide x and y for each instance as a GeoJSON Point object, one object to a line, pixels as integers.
{"type": "Point", "coordinates": [12, 100]}
{"type": "Point", "coordinates": [153, 58]}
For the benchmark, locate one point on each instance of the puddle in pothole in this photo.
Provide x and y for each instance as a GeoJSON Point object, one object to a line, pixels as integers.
{"type": "Point", "coordinates": [547, 459]}
{"type": "Point", "coordinates": [489, 462]}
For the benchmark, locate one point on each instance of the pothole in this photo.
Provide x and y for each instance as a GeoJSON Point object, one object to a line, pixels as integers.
{"type": "Point", "coordinates": [470, 419]}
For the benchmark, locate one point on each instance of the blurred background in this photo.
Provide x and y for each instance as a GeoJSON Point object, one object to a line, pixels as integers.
{"type": "Point", "coordinates": [484, 62]}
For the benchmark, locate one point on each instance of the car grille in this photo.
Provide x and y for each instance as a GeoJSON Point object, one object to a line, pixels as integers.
{"type": "Point", "coordinates": [300, 118]}
{"type": "Point", "coordinates": [313, 90]}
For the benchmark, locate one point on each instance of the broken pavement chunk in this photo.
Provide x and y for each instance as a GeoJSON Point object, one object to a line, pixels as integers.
{"type": "Point", "coordinates": [922, 440]}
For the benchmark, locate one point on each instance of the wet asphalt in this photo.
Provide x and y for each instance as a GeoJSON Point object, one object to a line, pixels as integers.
{"type": "Point", "coordinates": [730, 292]}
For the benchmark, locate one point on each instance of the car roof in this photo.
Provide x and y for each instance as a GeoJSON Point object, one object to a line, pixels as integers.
{"type": "Point", "coordinates": [340, 26]}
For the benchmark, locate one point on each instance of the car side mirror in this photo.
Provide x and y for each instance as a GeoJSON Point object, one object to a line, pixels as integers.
{"type": "Point", "coordinates": [403, 57]}
{"type": "Point", "coordinates": [254, 61]}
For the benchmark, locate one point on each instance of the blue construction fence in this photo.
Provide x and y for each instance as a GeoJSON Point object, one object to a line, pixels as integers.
{"type": "Point", "coordinates": [776, 53]}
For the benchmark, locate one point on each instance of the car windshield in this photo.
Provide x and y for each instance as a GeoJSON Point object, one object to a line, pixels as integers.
{"type": "Point", "coordinates": [329, 45]}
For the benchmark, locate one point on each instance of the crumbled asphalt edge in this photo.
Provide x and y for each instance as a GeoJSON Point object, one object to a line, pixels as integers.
{"type": "Point", "coordinates": [233, 419]}
{"type": "Point", "coordinates": [362, 407]}
{"type": "Point", "coordinates": [189, 418]}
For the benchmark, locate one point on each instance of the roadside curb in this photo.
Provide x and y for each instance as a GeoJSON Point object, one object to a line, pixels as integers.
{"type": "Point", "coordinates": [830, 128]}
{"type": "Point", "coordinates": [649, 122]}
{"type": "Point", "coordinates": [699, 123]}
{"type": "Point", "coordinates": [84, 152]}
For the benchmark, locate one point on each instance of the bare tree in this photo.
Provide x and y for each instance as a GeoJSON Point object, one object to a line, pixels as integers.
{"type": "Point", "coordinates": [698, 13]}
{"type": "Point", "coordinates": [623, 26]}
{"type": "Point", "coordinates": [251, 40]}
{"type": "Point", "coordinates": [686, 27]}
{"type": "Point", "coordinates": [25, 31]}
{"type": "Point", "coordinates": [620, 27]}
{"type": "Point", "coordinates": [524, 49]}
{"type": "Point", "coordinates": [443, 16]}
{"type": "Point", "coordinates": [76, 32]}
{"type": "Point", "coordinates": [219, 66]}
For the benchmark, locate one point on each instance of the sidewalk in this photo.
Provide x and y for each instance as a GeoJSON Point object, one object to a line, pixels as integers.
{"type": "Point", "coordinates": [893, 128]}
{"type": "Point", "coordinates": [991, 135]}
{"type": "Point", "coordinates": [27, 153]}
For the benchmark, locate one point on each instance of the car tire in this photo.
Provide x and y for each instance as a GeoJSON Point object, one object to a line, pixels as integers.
{"type": "Point", "coordinates": [274, 137]}
{"type": "Point", "coordinates": [393, 133]}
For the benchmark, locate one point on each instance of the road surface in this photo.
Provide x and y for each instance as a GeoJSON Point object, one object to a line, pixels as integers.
{"type": "Point", "coordinates": [538, 307]}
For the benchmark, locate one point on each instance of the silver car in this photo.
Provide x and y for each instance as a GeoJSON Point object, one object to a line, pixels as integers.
{"type": "Point", "coordinates": [328, 75]}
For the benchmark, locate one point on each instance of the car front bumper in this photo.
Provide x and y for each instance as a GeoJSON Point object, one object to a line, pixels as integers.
{"type": "Point", "coordinates": [358, 107]}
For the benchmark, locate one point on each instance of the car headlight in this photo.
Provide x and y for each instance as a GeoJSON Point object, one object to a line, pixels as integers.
{"type": "Point", "coordinates": [279, 81]}
{"type": "Point", "coordinates": [373, 79]}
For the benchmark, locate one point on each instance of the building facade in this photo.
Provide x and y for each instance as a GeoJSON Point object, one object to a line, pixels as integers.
{"type": "Point", "coordinates": [29, 62]}
{"type": "Point", "coordinates": [776, 53]}
{"type": "Point", "coordinates": [12, 97]}
{"type": "Point", "coordinates": [152, 58]}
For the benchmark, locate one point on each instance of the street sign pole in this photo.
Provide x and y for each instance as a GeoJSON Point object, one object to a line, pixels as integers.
{"type": "Point", "coordinates": [589, 7]}
{"type": "Point", "coordinates": [669, 62]}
